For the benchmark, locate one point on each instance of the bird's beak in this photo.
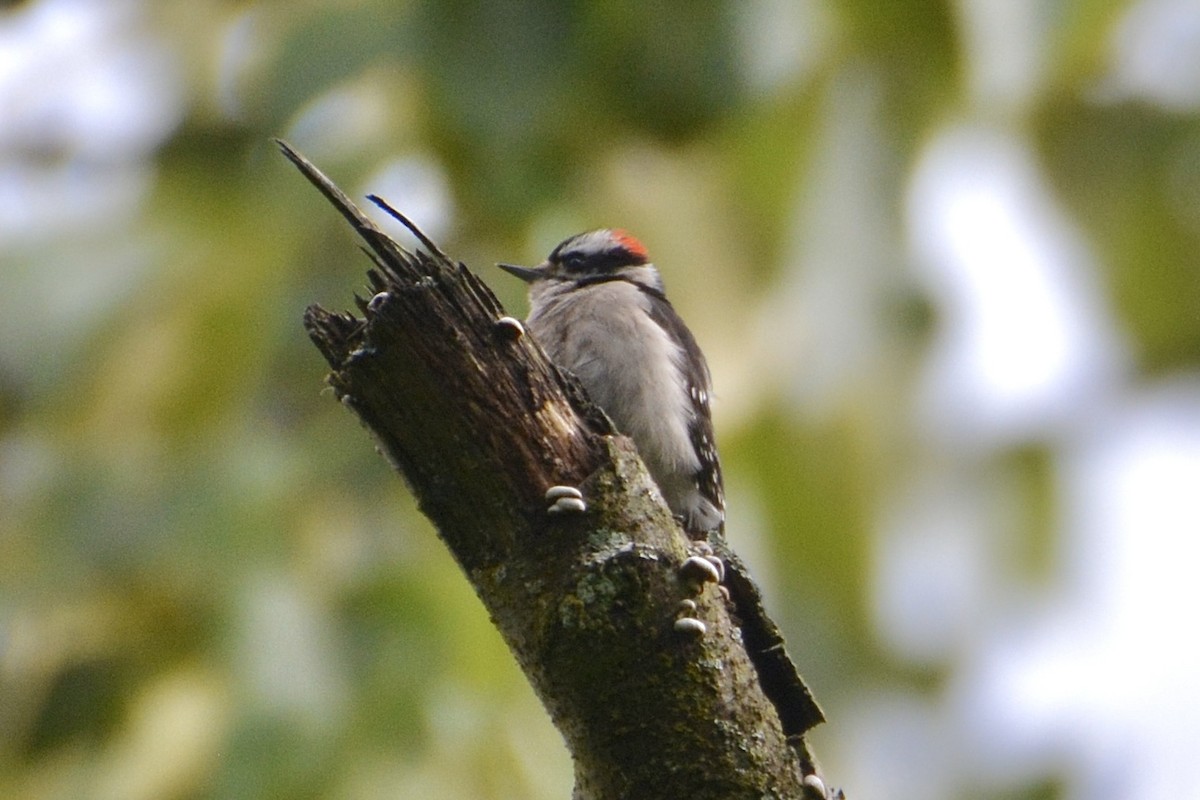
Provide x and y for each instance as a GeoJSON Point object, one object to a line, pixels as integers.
{"type": "Point", "coordinates": [527, 274]}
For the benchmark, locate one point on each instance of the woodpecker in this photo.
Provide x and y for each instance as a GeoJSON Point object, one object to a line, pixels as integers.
{"type": "Point", "coordinates": [598, 309]}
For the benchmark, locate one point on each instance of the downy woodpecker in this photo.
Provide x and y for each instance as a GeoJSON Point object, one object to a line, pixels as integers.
{"type": "Point", "coordinates": [598, 309]}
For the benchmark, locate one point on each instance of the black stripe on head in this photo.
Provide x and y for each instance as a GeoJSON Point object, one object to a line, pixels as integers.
{"type": "Point", "coordinates": [598, 252]}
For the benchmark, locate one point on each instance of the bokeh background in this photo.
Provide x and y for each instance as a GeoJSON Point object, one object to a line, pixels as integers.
{"type": "Point", "coordinates": [943, 257]}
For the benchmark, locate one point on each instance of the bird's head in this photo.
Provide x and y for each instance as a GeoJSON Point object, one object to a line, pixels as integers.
{"type": "Point", "coordinates": [607, 252]}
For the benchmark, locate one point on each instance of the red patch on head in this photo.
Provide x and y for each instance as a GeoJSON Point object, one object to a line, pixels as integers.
{"type": "Point", "coordinates": [630, 243]}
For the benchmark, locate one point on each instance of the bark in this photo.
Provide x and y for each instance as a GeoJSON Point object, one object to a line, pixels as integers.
{"type": "Point", "coordinates": [480, 424]}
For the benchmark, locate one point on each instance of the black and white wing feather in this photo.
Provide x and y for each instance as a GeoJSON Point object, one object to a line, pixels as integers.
{"type": "Point", "coordinates": [699, 390]}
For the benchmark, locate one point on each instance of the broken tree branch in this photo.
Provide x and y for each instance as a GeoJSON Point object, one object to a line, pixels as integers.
{"type": "Point", "coordinates": [480, 424]}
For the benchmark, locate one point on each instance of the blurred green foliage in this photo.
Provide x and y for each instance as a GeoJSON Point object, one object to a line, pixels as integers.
{"type": "Point", "coordinates": [211, 586]}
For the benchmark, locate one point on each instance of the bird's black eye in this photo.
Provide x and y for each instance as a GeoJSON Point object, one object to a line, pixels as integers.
{"type": "Point", "coordinates": [573, 262]}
